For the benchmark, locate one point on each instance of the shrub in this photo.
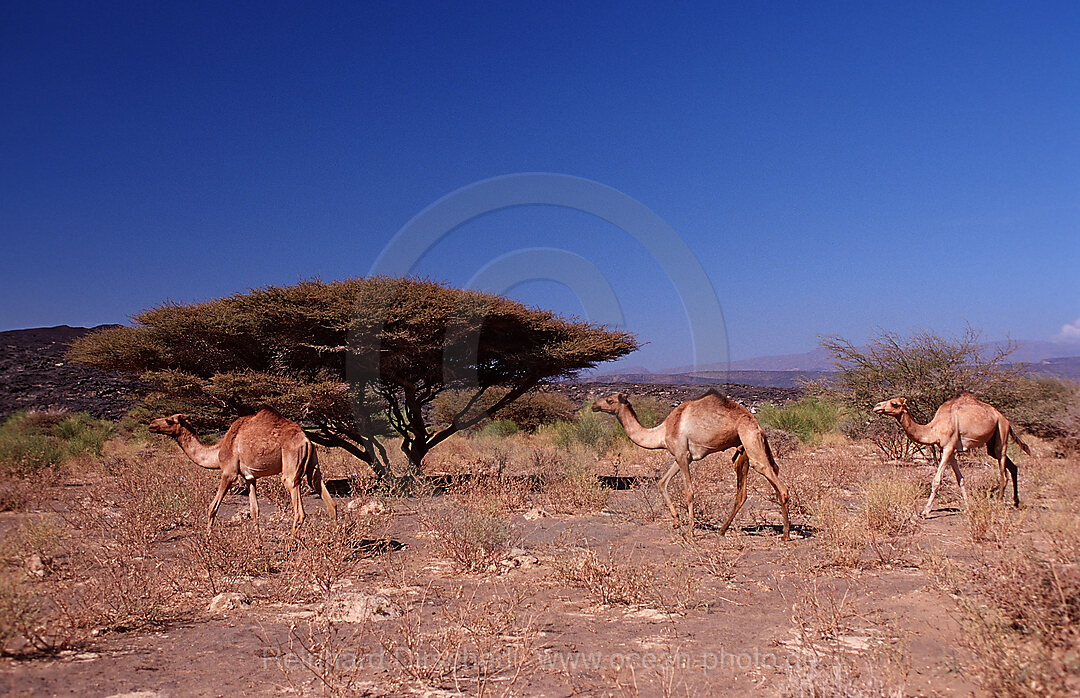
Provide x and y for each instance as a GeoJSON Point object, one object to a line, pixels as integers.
{"type": "Point", "coordinates": [844, 535]}
{"type": "Point", "coordinates": [31, 441]}
{"type": "Point", "coordinates": [20, 614]}
{"type": "Point", "coordinates": [1046, 407]}
{"type": "Point", "coordinates": [1025, 634]}
{"type": "Point", "coordinates": [601, 432]}
{"type": "Point", "coordinates": [611, 582]}
{"type": "Point", "coordinates": [473, 532]}
{"type": "Point", "coordinates": [809, 418]}
{"type": "Point", "coordinates": [891, 505]}
{"type": "Point", "coordinates": [594, 430]}
{"type": "Point", "coordinates": [782, 442]}
{"type": "Point", "coordinates": [499, 428]}
{"type": "Point", "coordinates": [570, 482]}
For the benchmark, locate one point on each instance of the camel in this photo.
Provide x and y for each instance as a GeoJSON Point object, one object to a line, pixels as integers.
{"type": "Point", "coordinates": [960, 424]}
{"type": "Point", "coordinates": [692, 431]}
{"type": "Point", "coordinates": [257, 446]}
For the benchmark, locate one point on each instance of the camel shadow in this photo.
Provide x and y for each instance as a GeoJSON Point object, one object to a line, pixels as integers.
{"type": "Point", "coordinates": [763, 529]}
{"type": "Point", "coordinates": [941, 512]}
{"type": "Point", "coordinates": [372, 547]}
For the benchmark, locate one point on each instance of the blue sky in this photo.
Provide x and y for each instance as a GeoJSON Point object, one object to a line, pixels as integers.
{"type": "Point", "coordinates": [834, 167]}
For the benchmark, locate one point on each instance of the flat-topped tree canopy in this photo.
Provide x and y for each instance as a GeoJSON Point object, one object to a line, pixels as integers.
{"type": "Point", "coordinates": [340, 356]}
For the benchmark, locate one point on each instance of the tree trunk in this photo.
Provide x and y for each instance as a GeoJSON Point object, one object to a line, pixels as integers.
{"type": "Point", "coordinates": [368, 450]}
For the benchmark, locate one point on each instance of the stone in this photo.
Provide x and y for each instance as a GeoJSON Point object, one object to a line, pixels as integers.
{"type": "Point", "coordinates": [36, 566]}
{"type": "Point", "coordinates": [357, 607]}
{"type": "Point", "coordinates": [228, 601]}
{"type": "Point", "coordinates": [371, 507]}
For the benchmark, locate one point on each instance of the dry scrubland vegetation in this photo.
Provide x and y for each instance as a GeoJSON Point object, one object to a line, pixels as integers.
{"type": "Point", "coordinates": [532, 554]}
{"type": "Point", "coordinates": [518, 571]}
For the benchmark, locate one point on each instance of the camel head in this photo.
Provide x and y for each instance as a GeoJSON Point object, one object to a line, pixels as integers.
{"type": "Point", "coordinates": [610, 404]}
{"type": "Point", "coordinates": [894, 406]}
{"type": "Point", "coordinates": [170, 426]}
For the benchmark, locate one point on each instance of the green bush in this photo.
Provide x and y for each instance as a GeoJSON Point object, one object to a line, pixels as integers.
{"type": "Point", "coordinates": [809, 418]}
{"type": "Point", "coordinates": [594, 430]}
{"type": "Point", "coordinates": [1046, 407]}
{"type": "Point", "coordinates": [500, 427]}
{"type": "Point", "coordinates": [30, 441]}
{"type": "Point", "coordinates": [601, 432]}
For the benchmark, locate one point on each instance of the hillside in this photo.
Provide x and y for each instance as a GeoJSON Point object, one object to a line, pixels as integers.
{"type": "Point", "coordinates": [35, 375]}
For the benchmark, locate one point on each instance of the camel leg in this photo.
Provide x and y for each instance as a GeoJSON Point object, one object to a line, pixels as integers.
{"type": "Point", "coordinates": [781, 495]}
{"type": "Point", "coordinates": [688, 491]}
{"type": "Point", "coordinates": [298, 507]}
{"type": "Point", "coordinates": [317, 485]}
{"type": "Point", "coordinates": [223, 487]}
{"type": "Point", "coordinates": [997, 452]}
{"type": "Point", "coordinates": [663, 485]}
{"type": "Point", "coordinates": [761, 458]}
{"type": "Point", "coordinates": [1014, 471]}
{"type": "Point", "coordinates": [253, 505]}
{"type": "Point", "coordinates": [959, 479]}
{"type": "Point", "coordinates": [998, 449]}
{"type": "Point", "coordinates": [742, 467]}
{"type": "Point", "coordinates": [946, 456]}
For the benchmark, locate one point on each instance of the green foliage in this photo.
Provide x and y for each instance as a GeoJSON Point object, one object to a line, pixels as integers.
{"type": "Point", "coordinates": [588, 428]}
{"type": "Point", "coordinates": [499, 428]}
{"type": "Point", "coordinates": [649, 410]}
{"type": "Point", "coordinates": [30, 441]}
{"type": "Point", "coordinates": [601, 432]}
{"type": "Point", "coordinates": [809, 418]}
{"type": "Point", "coordinates": [336, 356]}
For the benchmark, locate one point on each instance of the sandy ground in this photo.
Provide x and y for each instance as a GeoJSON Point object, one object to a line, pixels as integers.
{"type": "Point", "coordinates": [734, 624]}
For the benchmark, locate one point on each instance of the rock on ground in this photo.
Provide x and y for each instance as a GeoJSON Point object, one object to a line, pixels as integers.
{"type": "Point", "coordinates": [227, 601]}
{"type": "Point", "coordinates": [356, 607]}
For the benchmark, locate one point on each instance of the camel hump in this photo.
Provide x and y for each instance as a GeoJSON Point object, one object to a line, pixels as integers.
{"type": "Point", "coordinates": [724, 399]}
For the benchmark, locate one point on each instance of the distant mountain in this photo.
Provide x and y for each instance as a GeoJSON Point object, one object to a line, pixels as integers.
{"type": "Point", "coordinates": [35, 375]}
{"type": "Point", "coordinates": [1064, 367]}
{"type": "Point", "coordinates": [816, 360]}
{"type": "Point", "coordinates": [771, 379]}
{"type": "Point", "coordinates": [1033, 350]}
{"type": "Point", "coordinates": [1058, 359]}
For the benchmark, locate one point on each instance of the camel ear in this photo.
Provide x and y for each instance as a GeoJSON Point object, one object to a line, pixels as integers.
{"type": "Point", "coordinates": [622, 398]}
{"type": "Point", "coordinates": [184, 420]}
{"type": "Point", "coordinates": [902, 401]}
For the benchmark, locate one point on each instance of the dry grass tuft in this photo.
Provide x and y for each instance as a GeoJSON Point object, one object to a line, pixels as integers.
{"type": "Point", "coordinates": [833, 656]}
{"type": "Point", "coordinates": [612, 581]}
{"type": "Point", "coordinates": [1019, 600]}
{"type": "Point", "coordinates": [842, 531]}
{"type": "Point", "coordinates": [471, 530]}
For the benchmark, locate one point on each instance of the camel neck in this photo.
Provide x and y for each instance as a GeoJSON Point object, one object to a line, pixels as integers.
{"type": "Point", "coordinates": [915, 431]}
{"type": "Point", "coordinates": [202, 455]}
{"type": "Point", "coordinates": [640, 435]}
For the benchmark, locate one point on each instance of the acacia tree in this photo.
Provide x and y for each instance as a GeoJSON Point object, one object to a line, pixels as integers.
{"type": "Point", "coordinates": [350, 360]}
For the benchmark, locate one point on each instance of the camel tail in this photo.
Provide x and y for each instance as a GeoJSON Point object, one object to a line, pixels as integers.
{"type": "Point", "coordinates": [1023, 446]}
